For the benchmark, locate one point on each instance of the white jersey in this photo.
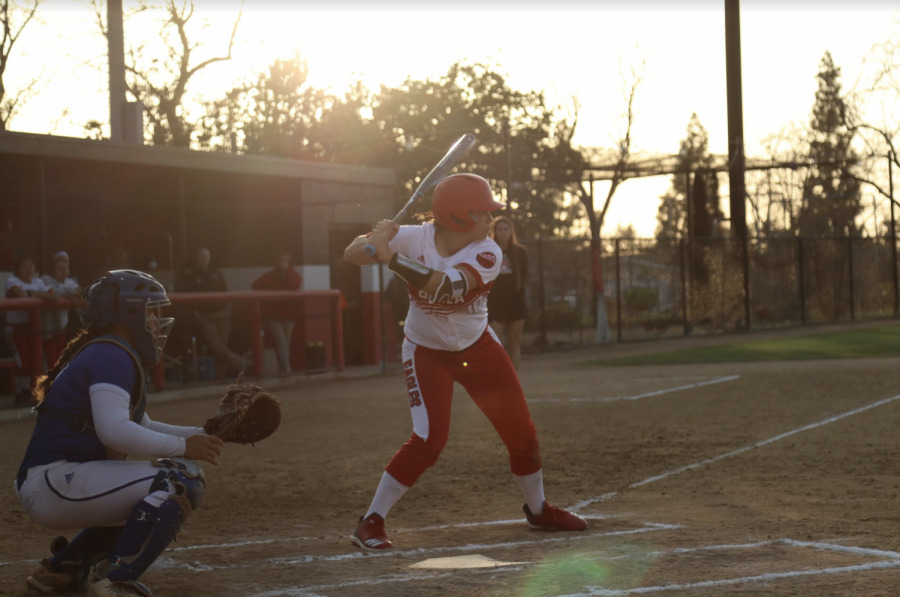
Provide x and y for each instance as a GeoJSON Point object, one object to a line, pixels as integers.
{"type": "Point", "coordinates": [36, 285]}
{"type": "Point", "coordinates": [453, 324]}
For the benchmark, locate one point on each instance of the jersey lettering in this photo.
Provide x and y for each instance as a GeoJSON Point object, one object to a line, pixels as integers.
{"type": "Point", "coordinates": [448, 323]}
{"type": "Point", "coordinates": [415, 398]}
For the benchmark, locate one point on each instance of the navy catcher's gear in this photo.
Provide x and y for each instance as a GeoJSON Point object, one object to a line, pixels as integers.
{"type": "Point", "coordinates": [87, 547]}
{"type": "Point", "coordinates": [187, 477]}
{"type": "Point", "coordinates": [169, 519]}
{"type": "Point", "coordinates": [134, 300]}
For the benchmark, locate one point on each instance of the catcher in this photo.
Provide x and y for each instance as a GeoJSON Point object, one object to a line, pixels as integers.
{"type": "Point", "coordinates": [90, 414]}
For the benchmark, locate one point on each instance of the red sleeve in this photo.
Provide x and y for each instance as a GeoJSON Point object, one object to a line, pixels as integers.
{"type": "Point", "coordinates": [262, 282]}
{"type": "Point", "coordinates": [292, 281]}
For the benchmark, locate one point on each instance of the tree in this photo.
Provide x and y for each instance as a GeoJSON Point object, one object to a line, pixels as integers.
{"type": "Point", "coordinates": [161, 84]}
{"type": "Point", "coordinates": [277, 114]}
{"type": "Point", "coordinates": [693, 157]}
{"type": "Point", "coordinates": [423, 118]}
{"type": "Point", "coordinates": [622, 156]}
{"type": "Point", "coordinates": [774, 194]}
{"type": "Point", "coordinates": [14, 19]}
{"type": "Point", "coordinates": [270, 115]}
{"type": "Point", "coordinates": [873, 114]}
{"type": "Point", "coordinates": [831, 198]}
{"type": "Point", "coordinates": [409, 128]}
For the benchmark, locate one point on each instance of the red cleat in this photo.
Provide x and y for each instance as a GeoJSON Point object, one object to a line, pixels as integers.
{"type": "Point", "coordinates": [370, 533]}
{"type": "Point", "coordinates": [554, 519]}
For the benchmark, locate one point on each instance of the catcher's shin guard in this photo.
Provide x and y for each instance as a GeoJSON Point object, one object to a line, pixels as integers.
{"type": "Point", "coordinates": [170, 518]}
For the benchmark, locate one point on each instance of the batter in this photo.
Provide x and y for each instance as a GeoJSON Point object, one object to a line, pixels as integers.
{"type": "Point", "coordinates": [449, 266]}
{"type": "Point", "coordinates": [90, 413]}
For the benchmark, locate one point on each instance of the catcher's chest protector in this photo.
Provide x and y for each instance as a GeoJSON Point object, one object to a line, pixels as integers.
{"type": "Point", "coordinates": [138, 402]}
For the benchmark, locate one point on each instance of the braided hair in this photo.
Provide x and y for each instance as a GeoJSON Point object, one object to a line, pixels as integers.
{"type": "Point", "coordinates": [44, 382]}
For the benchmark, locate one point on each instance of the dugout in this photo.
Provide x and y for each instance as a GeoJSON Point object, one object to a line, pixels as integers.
{"type": "Point", "coordinates": [161, 203]}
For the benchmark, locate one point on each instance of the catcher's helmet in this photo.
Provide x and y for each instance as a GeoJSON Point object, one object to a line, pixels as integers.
{"type": "Point", "coordinates": [135, 300]}
{"type": "Point", "coordinates": [457, 195]}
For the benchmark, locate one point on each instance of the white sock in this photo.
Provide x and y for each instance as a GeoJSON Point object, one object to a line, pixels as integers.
{"type": "Point", "coordinates": [533, 489]}
{"type": "Point", "coordinates": [389, 492]}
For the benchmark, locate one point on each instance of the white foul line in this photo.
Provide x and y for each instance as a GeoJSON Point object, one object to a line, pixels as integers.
{"type": "Point", "coordinates": [764, 442]}
{"type": "Point", "coordinates": [639, 396]}
{"type": "Point", "coordinates": [820, 545]}
{"type": "Point", "coordinates": [601, 592]}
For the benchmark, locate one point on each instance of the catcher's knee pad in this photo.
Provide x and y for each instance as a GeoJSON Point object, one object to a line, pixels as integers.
{"type": "Point", "coordinates": [183, 479]}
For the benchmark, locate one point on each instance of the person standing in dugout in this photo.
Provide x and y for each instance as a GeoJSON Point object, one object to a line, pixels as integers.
{"type": "Point", "coordinates": [90, 414]}
{"type": "Point", "coordinates": [449, 266]}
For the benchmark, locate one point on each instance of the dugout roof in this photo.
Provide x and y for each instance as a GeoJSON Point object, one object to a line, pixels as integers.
{"type": "Point", "coordinates": [89, 197]}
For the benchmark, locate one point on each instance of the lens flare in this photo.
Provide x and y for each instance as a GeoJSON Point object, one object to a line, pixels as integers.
{"type": "Point", "coordinates": [565, 575]}
{"type": "Point", "coordinates": [606, 566]}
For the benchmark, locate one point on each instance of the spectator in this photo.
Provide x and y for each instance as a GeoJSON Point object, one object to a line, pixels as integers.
{"type": "Point", "coordinates": [279, 316]}
{"type": "Point", "coordinates": [24, 284]}
{"type": "Point", "coordinates": [55, 321]}
{"type": "Point", "coordinates": [214, 319]}
{"type": "Point", "coordinates": [507, 309]}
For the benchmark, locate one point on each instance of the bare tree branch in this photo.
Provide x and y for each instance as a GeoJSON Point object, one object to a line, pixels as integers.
{"type": "Point", "coordinates": [161, 83]}
{"type": "Point", "coordinates": [630, 84]}
{"type": "Point", "coordinates": [11, 34]}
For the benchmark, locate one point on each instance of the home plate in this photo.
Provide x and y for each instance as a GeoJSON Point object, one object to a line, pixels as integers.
{"type": "Point", "coordinates": [461, 562]}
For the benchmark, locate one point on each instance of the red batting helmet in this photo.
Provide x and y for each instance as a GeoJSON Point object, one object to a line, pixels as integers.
{"type": "Point", "coordinates": [457, 195]}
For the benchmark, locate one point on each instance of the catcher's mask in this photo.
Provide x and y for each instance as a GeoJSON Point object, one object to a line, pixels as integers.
{"type": "Point", "coordinates": [136, 301]}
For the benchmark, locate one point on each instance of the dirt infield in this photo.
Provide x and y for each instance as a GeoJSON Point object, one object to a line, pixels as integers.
{"type": "Point", "coordinates": [729, 479]}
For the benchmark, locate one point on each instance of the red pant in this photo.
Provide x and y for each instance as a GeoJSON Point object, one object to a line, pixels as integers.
{"type": "Point", "coordinates": [485, 371]}
{"type": "Point", "coordinates": [53, 347]}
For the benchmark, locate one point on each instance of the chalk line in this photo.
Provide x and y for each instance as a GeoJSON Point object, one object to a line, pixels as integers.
{"type": "Point", "coordinates": [410, 577]}
{"type": "Point", "coordinates": [305, 591]}
{"type": "Point", "coordinates": [881, 553]}
{"type": "Point", "coordinates": [470, 547]}
{"type": "Point", "coordinates": [820, 545]}
{"type": "Point", "coordinates": [639, 396]}
{"type": "Point", "coordinates": [358, 555]}
{"type": "Point", "coordinates": [781, 436]}
{"type": "Point", "coordinates": [19, 562]}
{"type": "Point", "coordinates": [602, 592]}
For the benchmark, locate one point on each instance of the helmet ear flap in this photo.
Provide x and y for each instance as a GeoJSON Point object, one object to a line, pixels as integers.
{"type": "Point", "coordinates": [102, 298]}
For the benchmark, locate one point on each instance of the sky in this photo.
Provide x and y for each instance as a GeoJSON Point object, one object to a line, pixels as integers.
{"type": "Point", "coordinates": [566, 48]}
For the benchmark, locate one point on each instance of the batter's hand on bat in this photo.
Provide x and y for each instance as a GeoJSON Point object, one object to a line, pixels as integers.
{"type": "Point", "coordinates": [380, 238]}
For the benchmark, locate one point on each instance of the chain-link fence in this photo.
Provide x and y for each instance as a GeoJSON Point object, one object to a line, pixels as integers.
{"type": "Point", "coordinates": [634, 289]}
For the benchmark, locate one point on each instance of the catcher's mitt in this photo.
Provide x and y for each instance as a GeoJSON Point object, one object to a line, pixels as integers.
{"type": "Point", "coordinates": [247, 414]}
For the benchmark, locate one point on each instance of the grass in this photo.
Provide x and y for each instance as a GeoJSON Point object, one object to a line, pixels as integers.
{"type": "Point", "coordinates": [857, 344]}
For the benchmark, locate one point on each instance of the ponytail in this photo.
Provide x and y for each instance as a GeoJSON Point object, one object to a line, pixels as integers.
{"type": "Point", "coordinates": [44, 382]}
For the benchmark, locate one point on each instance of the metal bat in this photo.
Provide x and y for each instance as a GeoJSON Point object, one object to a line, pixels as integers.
{"type": "Point", "coordinates": [437, 174]}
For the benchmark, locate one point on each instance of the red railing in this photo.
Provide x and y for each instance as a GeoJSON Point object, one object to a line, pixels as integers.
{"type": "Point", "coordinates": [251, 299]}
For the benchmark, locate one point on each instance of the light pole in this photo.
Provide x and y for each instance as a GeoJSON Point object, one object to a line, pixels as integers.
{"type": "Point", "coordinates": [890, 157]}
